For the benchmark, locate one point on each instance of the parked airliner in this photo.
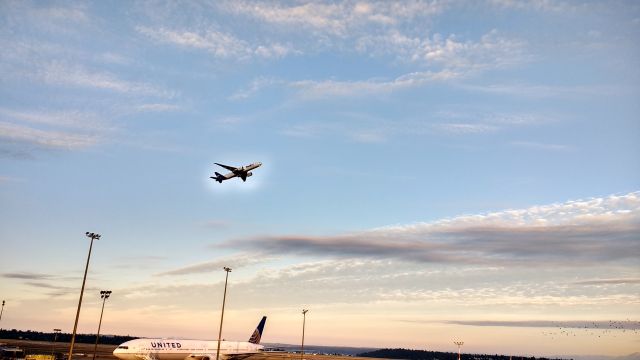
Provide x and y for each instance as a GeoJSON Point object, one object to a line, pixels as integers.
{"type": "Point", "coordinates": [242, 172]}
{"type": "Point", "coordinates": [177, 349]}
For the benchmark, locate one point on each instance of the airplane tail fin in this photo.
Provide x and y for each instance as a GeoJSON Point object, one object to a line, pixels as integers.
{"type": "Point", "coordinates": [219, 177]}
{"type": "Point", "coordinates": [257, 333]}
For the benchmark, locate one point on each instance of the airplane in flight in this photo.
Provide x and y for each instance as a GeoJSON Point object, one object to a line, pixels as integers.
{"type": "Point", "coordinates": [178, 349]}
{"type": "Point", "coordinates": [243, 172]}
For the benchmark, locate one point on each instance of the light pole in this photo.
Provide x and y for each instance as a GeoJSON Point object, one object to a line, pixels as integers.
{"type": "Point", "coordinates": [224, 298]}
{"type": "Point", "coordinates": [304, 320]}
{"type": "Point", "coordinates": [104, 295]}
{"type": "Point", "coordinates": [55, 337]}
{"type": "Point", "coordinates": [1, 311]}
{"type": "Point", "coordinates": [459, 343]}
{"type": "Point", "coordinates": [92, 236]}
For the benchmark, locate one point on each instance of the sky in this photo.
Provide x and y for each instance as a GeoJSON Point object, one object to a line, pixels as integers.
{"type": "Point", "coordinates": [432, 171]}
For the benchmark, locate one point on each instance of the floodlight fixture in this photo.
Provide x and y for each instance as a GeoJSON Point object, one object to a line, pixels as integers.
{"type": "Point", "coordinates": [459, 343]}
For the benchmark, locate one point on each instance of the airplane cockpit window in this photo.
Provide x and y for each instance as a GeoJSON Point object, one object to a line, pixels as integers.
{"type": "Point", "coordinates": [123, 347]}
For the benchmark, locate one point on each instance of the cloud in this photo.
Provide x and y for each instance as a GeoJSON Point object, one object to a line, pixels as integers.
{"type": "Point", "coordinates": [491, 51]}
{"type": "Point", "coordinates": [57, 73]}
{"type": "Point", "coordinates": [461, 128]}
{"type": "Point", "coordinates": [27, 276]}
{"type": "Point", "coordinates": [575, 324]}
{"type": "Point", "coordinates": [460, 123]}
{"type": "Point", "coordinates": [157, 107]}
{"type": "Point", "coordinates": [334, 19]}
{"type": "Point", "coordinates": [235, 261]}
{"type": "Point", "coordinates": [255, 86]}
{"type": "Point", "coordinates": [45, 139]}
{"type": "Point", "coordinates": [622, 281]}
{"type": "Point", "coordinates": [537, 5]}
{"type": "Point", "coordinates": [65, 119]}
{"type": "Point", "coordinates": [48, 18]}
{"type": "Point", "coordinates": [219, 44]}
{"type": "Point", "coordinates": [393, 283]}
{"type": "Point", "coordinates": [315, 89]}
{"type": "Point", "coordinates": [25, 131]}
{"type": "Point", "coordinates": [383, 29]}
{"type": "Point", "coordinates": [53, 64]}
{"type": "Point", "coordinates": [574, 233]}
{"type": "Point", "coordinates": [543, 91]}
{"type": "Point", "coordinates": [541, 146]}
{"type": "Point", "coordinates": [325, 88]}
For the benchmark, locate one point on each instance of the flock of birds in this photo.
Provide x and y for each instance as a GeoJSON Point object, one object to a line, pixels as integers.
{"type": "Point", "coordinates": [594, 329]}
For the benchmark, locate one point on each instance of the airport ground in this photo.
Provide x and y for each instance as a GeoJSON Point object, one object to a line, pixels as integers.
{"type": "Point", "coordinates": [105, 352]}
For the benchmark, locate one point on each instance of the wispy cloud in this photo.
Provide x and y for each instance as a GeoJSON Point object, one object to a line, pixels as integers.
{"type": "Point", "coordinates": [491, 51]}
{"type": "Point", "coordinates": [371, 134]}
{"type": "Point", "coordinates": [324, 88]}
{"type": "Point", "coordinates": [27, 276]}
{"type": "Point", "coordinates": [55, 64]}
{"type": "Point", "coordinates": [537, 5]}
{"type": "Point", "coordinates": [571, 233]}
{"type": "Point", "coordinates": [57, 73]}
{"type": "Point", "coordinates": [335, 19]}
{"type": "Point", "coordinates": [45, 139]}
{"type": "Point", "coordinates": [318, 89]}
{"type": "Point", "coordinates": [234, 261]}
{"type": "Point", "coordinates": [255, 86]}
{"type": "Point", "coordinates": [575, 324]}
{"type": "Point", "coordinates": [543, 91]}
{"type": "Point", "coordinates": [65, 119]}
{"type": "Point", "coordinates": [25, 131]}
{"type": "Point", "coordinates": [393, 282]}
{"type": "Point", "coordinates": [478, 122]}
{"type": "Point", "coordinates": [541, 146]}
{"type": "Point", "coordinates": [158, 107]}
{"type": "Point", "coordinates": [461, 128]}
{"type": "Point", "coordinates": [622, 281]}
{"type": "Point", "coordinates": [219, 44]}
{"type": "Point", "coordinates": [51, 18]}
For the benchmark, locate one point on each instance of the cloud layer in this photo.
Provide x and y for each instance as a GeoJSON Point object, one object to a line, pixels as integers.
{"type": "Point", "coordinates": [572, 233]}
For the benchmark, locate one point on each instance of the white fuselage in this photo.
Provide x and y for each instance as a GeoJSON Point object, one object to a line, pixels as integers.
{"type": "Point", "coordinates": [175, 349]}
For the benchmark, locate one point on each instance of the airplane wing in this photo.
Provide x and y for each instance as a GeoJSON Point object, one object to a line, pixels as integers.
{"type": "Point", "coordinates": [230, 168]}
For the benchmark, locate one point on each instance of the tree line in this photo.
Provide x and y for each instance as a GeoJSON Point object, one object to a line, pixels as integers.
{"type": "Point", "coordinates": [14, 334]}
{"type": "Point", "coordinates": [438, 355]}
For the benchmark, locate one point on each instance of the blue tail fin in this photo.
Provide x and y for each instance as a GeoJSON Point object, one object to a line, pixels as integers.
{"type": "Point", "coordinates": [257, 333]}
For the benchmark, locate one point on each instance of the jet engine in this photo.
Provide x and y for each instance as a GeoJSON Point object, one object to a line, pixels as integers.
{"type": "Point", "coordinates": [249, 174]}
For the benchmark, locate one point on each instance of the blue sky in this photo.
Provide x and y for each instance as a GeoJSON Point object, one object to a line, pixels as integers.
{"type": "Point", "coordinates": [432, 169]}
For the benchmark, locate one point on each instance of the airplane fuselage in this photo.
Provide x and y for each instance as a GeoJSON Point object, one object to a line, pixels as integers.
{"type": "Point", "coordinates": [175, 349]}
{"type": "Point", "coordinates": [247, 168]}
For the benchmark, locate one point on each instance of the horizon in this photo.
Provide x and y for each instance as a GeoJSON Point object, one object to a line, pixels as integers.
{"type": "Point", "coordinates": [432, 170]}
